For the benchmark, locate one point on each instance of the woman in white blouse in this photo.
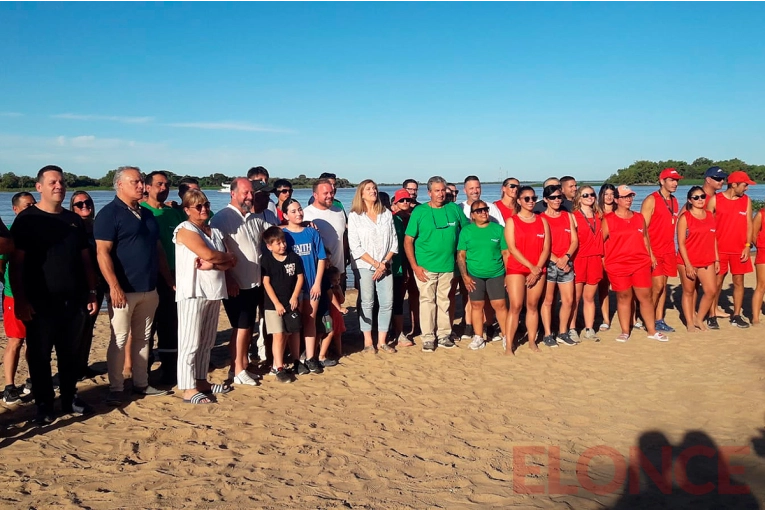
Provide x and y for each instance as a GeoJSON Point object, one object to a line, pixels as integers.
{"type": "Point", "coordinates": [200, 264]}
{"type": "Point", "coordinates": [373, 242]}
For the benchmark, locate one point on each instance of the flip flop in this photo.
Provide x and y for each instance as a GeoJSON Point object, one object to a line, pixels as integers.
{"type": "Point", "coordinates": [199, 398]}
{"type": "Point", "coordinates": [219, 389]}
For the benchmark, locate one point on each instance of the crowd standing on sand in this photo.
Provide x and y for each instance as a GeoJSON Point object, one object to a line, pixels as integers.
{"type": "Point", "coordinates": [164, 267]}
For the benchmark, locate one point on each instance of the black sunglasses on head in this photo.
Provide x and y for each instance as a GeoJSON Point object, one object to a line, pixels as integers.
{"type": "Point", "coordinates": [84, 203]}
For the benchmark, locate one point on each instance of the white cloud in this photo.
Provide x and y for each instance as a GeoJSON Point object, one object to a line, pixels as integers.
{"type": "Point", "coordinates": [11, 114]}
{"type": "Point", "coordinates": [229, 126]}
{"type": "Point", "coordinates": [111, 118]}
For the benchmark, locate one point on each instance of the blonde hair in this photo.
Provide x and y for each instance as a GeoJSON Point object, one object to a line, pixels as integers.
{"type": "Point", "coordinates": [358, 205]}
{"type": "Point", "coordinates": [578, 201]}
{"type": "Point", "coordinates": [193, 197]}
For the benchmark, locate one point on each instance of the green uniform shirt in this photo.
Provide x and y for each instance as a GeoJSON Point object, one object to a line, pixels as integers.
{"type": "Point", "coordinates": [7, 284]}
{"type": "Point", "coordinates": [435, 232]}
{"type": "Point", "coordinates": [483, 247]}
{"type": "Point", "coordinates": [168, 218]}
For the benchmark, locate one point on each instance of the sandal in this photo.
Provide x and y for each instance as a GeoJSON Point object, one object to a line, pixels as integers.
{"type": "Point", "coordinates": [604, 327]}
{"type": "Point", "coordinates": [388, 348]}
{"type": "Point", "coordinates": [219, 389]}
{"type": "Point", "coordinates": [369, 348]}
{"type": "Point", "coordinates": [623, 337]}
{"type": "Point", "coordinates": [199, 398]}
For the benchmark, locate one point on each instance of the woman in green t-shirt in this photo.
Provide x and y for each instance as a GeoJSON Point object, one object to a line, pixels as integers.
{"type": "Point", "coordinates": [482, 256]}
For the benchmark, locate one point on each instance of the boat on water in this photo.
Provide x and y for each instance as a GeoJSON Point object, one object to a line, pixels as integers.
{"type": "Point", "coordinates": [225, 188]}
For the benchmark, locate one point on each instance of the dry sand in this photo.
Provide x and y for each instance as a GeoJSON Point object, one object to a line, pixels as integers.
{"type": "Point", "coordinates": [410, 430]}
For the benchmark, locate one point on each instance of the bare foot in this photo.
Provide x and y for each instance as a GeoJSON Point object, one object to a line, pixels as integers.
{"type": "Point", "coordinates": [721, 313]}
{"type": "Point", "coordinates": [755, 323]}
{"type": "Point", "coordinates": [702, 326]}
{"type": "Point", "coordinates": [533, 346]}
{"type": "Point", "coordinates": [692, 329]}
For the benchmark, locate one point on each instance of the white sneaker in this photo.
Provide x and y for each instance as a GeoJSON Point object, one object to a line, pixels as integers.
{"type": "Point", "coordinates": [589, 334]}
{"type": "Point", "coordinates": [257, 377]}
{"type": "Point", "coordinates": [661, 337]}
{"type": "Point", "coordinates": [574, 335]}
{"type": "Point", "coordinates": [245, 378]}
{"type": "Point", "coordinates": [477, 343]}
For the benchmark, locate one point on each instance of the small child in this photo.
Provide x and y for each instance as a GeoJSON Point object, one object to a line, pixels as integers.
{"type": "Point", "coordinates": [332, 316]}
{"type": "Point", "coordinates": [282, 272]}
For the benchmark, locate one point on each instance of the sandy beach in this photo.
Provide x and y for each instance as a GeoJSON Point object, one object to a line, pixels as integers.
{"type": "Point", "coordinates": [417, 430]}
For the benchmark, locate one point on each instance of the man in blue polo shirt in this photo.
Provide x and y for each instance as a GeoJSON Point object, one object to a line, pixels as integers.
{"type": "Point", "coordinates": [130, 256]}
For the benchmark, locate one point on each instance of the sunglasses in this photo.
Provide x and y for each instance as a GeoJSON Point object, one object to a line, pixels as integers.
{"type": "Point", "coordinates": [511, 186]}
{"type": "Point", "coordinates": [481, 210]}
{"type": "Point", "coordinates": [406, 201]}
{"type": "Point", "coordinates": [285, 190]}
{"type": "Point", "coordinates": [718, 179]}
{"type": "Point", "coordinates": [588, 195]}
{"type": "Point", "coordinates": [199, 207]}
{"type": "Point", "coordinates": [529, 198]}
{"type": "Point", "coordinates": [84, 203]}
{"type": "Point", "coordinates": [555, 197]}
{"type": "Point", "coordinates": [703, 196]}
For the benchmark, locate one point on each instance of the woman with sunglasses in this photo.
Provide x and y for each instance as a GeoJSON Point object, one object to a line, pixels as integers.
{"type": "Point", "coordinates": [307, 243]}
{"type": "Point", "coordinates": [606, 204]}
{"type": "Point", "coordinates": [283, 192]}
{"type": "Point", "coordinates": [200, 264]}
{"type": "Point", "coordinates": [528, 241]}
{"type": "Point", "coordinates": [588, 262]}
{"type": "Point", "coordinates": [482, 257]}
{"type": "Point", "coordinates": [506, 204]}
{"type": "Point", "coordinates": [697, 259]}
{"type": "Point", "coordinates": [629, 261]}
{"type": "Point", "coordinates": [81, 203]}
{"type": "Point", "coordinates": [560, 267]}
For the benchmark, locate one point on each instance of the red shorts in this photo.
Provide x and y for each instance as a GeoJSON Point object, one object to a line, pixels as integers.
{"type": "Point", "coordinates": [760, 259]}
{"type": "Point", "coordinates": [338, 320]}
{"type": "Point", "coordinates": [731, 263]}
{"type": "Point", "coordinates": [640, 279]}
{"type": "Point", "coordinates": [588, 270]}
{"type": "Point", "coordinates": [14, 328]}
{"type": "Point", "coordinates": [666, 265]}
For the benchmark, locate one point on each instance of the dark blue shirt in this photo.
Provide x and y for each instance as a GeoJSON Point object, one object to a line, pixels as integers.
{"type": "Point", "coordinates": [134, 253]}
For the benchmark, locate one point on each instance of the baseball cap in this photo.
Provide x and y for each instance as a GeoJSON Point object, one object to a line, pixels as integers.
{"type": "Point", "coordinates": [715, 171]}
{"type": "Point", "coordinates": [670, 173]}
{"type": "Point", "coordinates": [740, 176]}
{"type": "Point", "coordinates": [258, 186]}
{"type": "Point", "coordinates": [624, 191]}
{"type": "Point", "coordinates": [401, 195]}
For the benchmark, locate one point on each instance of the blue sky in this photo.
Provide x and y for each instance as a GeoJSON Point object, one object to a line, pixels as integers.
{"type": "Point", "coordinates": [380, 90]}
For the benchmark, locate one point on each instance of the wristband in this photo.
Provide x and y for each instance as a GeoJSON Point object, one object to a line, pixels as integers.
{"type": "Point", "coordinates": [748, 245]}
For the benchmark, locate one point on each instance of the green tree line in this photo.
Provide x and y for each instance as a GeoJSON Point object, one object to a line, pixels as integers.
{"type": "Point", "coordinates": [11, 181]}
{"type": "Point", "coordinates": [645, 172]}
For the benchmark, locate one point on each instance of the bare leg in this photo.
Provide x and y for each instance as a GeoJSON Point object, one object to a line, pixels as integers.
{"type": "Point", "coordinates": [566, 291]}
{"type": "Point", "coordinates": [658, 295]}
{"type": "Point", "coordinates": [500, 310]}
{"type": "Point", "coordinates": [309, 309]}
{"type": "Point", "coordinates": [624, 309]}
{"type": "Point", "coordinates": [588, 306]}
{"type": "Point", "coordinates": [738, 293]}
{"type": "Point", "coordinates": [516, 290]}
{"type": "Point", "coordinates": [533, 296]}
{"type": "Point", "coordinates": [243, 337]}
{"type": "Point", "coordinates": [720, 312]}
{"type": "Point", "coordinates": [646, 308]}
{"type": "Point", "coordinates": [605, 305]}
{"type": "Point", "coordinates": [578, 292]}
{"type": "Point", "coordinates": [759, 293]}
{"type": "Point", "coordinates": [476, 311]}
{"type": "Point", "coordinates": [11, 358]}
{"type": "Point", "coordinates": [708, 280]}
{"type": "Point", "coordinates": [689, 291]}
{"type": "Point", "coordinates": [546, 309]}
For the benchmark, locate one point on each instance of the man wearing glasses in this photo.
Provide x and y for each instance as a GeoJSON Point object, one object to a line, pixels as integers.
{"type": "Point", "coordinates": [430, 244]}
{"type": "Point", "coordinates": [259, 173]}
{"type": "Point", "coordinates": [412, 186]}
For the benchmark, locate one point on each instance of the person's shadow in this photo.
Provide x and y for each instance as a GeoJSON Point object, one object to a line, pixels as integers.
{"type": "Point", "coordinates": [693, 475]}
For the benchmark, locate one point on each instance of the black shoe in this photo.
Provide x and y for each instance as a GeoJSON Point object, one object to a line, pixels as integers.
{"type": "Point", "coordinates": [45, 415]}
{"type": "Point", "coordinates": [446, 343]}
{"type": "Point", "coordinates": [739, 322]}
{"type": "Point", "coordinates": [27, 389]}
{"type": "Point", "coordinates": [150, 391]}
{"type": "Point", "coordinates": [89, 373]}
{"type": "Point", "coordinates": [468, 332]}
{"type": "Point", "coordinates": [300, 368]}
{"type": "Point", "coordinates": [56, 382]}
{"type": "Point", "coordinates": [314, 366]}
{"type": "Point", "coordinates": [712, 323]}
{"type": "Point", "coordinates": [549, 341]}
{"type": "Point", "coordinates": [328, 362]}
{"type": "Point", "coordinates": [11, 394]}
{"type": "Point", "coordinates": [282, 375]}
{"type": "Point", "coordinates": [77, 406]}
{"type": "Point", "coordinates": [565, 339]}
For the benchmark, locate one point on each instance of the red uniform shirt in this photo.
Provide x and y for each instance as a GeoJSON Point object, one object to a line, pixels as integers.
{"type": "Point", "coordinates": [759, 243]}
{"type": "Point", "coordinates": [625, 247]}
{"type": "Point", "coordinates": [560, 233]}
{"type": "Point", "coordinates": [530, 240]}
{"type": "Point", "coordinates": [731, 223]}
{"type": "Point", "coordinates": [661, 229]}
{"type": "Point", "coordinates": [504, 210]}
{"type": "Point", "coordinates": [590, 233]}
{"type": "Point", "coordinates": [699, 240]}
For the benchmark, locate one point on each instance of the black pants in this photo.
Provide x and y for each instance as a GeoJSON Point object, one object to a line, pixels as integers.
{"type": "Point", "coordinates": [166, 328]}
{"type": "Point", "coordinates": [87, 337]}
{"type": "Point", "coordinates": [59, 324]}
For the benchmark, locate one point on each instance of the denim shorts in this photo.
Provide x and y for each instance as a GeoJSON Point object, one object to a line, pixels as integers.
{"type": "Point", "coordinates": [557, 275]}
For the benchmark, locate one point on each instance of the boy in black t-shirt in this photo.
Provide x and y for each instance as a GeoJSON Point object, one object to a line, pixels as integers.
{"type": "Point", "coordinates": [282, 272]}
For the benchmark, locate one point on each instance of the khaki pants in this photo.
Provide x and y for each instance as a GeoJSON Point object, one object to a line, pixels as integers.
{"type": "Point", "coordinates": [136, 317]}
{"type": "Point", "coordinates": [434, 305]}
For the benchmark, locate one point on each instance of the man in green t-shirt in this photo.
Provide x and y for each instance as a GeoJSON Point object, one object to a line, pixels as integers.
{"type": "Point", "coordinates": [430, 244]}
{"type": "Point", "coordinates": [165, 323]}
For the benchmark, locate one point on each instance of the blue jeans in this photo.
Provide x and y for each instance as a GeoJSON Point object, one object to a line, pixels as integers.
{"type": "Point", "coordinates": [367, 288]}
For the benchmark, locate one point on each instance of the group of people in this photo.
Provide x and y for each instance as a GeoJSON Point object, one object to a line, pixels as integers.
{"type": "Point", "coordinates": [164, 268]}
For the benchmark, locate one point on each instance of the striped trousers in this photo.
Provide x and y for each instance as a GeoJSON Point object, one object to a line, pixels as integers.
{"type": "Point", "coordinates": [197, 328]}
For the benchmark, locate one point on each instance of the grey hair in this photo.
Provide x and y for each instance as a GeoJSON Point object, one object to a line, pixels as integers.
{"type": "Point", "coordinates": [120, 171]}
{"type": "Point", "coordinates": [436, 179]}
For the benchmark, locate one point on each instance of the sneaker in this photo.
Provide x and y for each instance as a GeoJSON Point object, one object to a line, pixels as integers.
{"type": "Point", "coordinates": [446, 343]}
{"type": "Point", "coordinates": [115, 398]}
{"type": "Point", "coordinates": [663, 326]}
{"type": "Point", "coordinates": [712, 323]}
{"type": "Point", "coordinates": [623, 337]}
{"type": "Point", "coordinates": [477, 343]}
{"type": "Point", "coordinates": [429, 346]}
{"type": "Point", "coordinates": [549, 341]}
{"type": "Point", "coordinates": [328, 362]}
{"type": "Point", "coordinates": [639, 324]}
{"type": "Point", "coordinates": [299, 368]}
{"type": "Point", "coordinates": [661, 337]}
{"type": "Point", "coordinates": [314, 366]}
{"type": "Point", "coordinates": [11, 394]}
{"type": "Point", "coordinates": [589, 334]}
{"type": "Point", "coordinates": [244, 378]}
{"type": "Point", "coordinates": [150, 391]}
{"type": "Point", "coordinates": [468, 334]}
{"type": "Point", "coordinates": [45, 415]}
{"type": "Point", "coordinates": [604, 326]}
{"type": "Point", "coordinates": [77, 406]}
{"type": "Point", "coordinates": [454, 337]}
{"type": "Point", "coordinates": [496, 333]}
{"type": "Point", "coordinates": [574, 335]}
{"type": "Point", "coordinates": [739, 321]}
{"type": "Point", "coordinates": [27, 387]}
{"type": "Point", "coordinates": [564, 339]}
{"type": "Point", "coordinates": [281, 375]}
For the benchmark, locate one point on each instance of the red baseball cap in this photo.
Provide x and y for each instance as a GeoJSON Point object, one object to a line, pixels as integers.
{"type": "Point", "coordinates": [740, 176]}
{"type": "Point", "coordinates": [670, 173]}
{"type": "Point", "coordinates": [400, 195]}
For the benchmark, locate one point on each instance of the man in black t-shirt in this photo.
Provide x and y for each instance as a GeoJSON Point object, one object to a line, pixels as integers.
{"type": "Point", "coordinates": [54, 287]}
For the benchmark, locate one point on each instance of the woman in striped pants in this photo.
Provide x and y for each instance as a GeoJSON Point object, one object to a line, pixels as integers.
{"type": "Point", "coordinates": [200, 262]}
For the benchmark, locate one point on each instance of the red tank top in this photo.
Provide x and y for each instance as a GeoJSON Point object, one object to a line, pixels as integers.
{"type": "Point", "coordinates": [699, 240]}
{"type": "Point", "coordinates": [560, 232]}
{"type": "Point", "coordinates": [530, 240]}
{"type": "Point", "coordinates": [590, 232]}
{"type": "Point", "coordinates": [625, 247]}
{"type": "Point", "coordinates": [661, 229]}
{"type": "Point", "coordinates": [504, 210]}
{"type": "Point", "coordinates": [759, 243]}
{"type": "Point", "coordinates": [730, 216]}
